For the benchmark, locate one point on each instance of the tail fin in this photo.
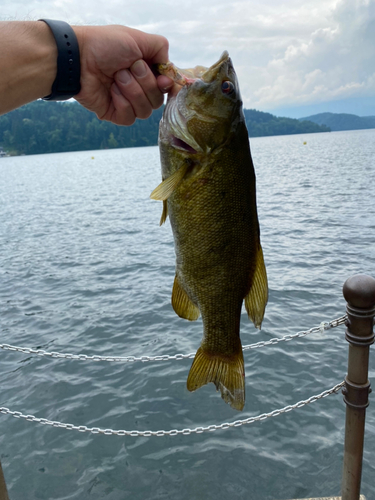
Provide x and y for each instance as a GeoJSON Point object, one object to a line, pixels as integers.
{"type": "Point", "coordinates": [226, 372]}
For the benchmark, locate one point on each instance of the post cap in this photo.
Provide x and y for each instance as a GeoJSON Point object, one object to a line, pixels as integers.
{"type": "Point", "coordinates": [359, 291]}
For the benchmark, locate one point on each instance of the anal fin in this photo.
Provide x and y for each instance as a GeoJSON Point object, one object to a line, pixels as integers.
{"type": "Point", "coordinates": [226, 372]}
{"type": "Point", "coordinates": [256, 299]}
{"type": "Point", "coordinates": [182, 304]}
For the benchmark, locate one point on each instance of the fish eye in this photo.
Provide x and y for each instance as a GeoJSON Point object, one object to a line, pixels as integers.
{"type": "Point", "coordinates": [227, 87]}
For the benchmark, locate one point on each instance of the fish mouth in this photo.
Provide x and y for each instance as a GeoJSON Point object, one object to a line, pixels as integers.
{"type": "Point", "coordinates": [177, 114]}
{"type": "Point", "coordinates": [186, 77]}
{"type": "Point", "coordinates": [176, 125]}
{"type": "Point", "coordinates": [210, 74]}
{"type": "Point", "coordinates": [180, 144]}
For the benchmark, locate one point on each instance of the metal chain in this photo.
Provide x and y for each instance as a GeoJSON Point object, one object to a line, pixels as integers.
{"type": "Point", "coordinates": [317, 329]}
{"type": "Point", "coordinates": [166, 357]}
{"type": "Point", "coordinates": [172, 432]}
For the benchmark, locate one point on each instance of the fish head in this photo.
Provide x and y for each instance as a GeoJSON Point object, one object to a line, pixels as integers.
{"type": "Point", "coordinates": [204, 107]}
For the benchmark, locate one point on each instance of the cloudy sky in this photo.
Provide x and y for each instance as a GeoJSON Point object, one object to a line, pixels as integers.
{"type": "Point", "coordinates": [293, 58]}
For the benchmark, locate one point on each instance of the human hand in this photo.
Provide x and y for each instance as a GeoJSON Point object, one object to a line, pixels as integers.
{"type": "Point", "coordinates": [117, 82]}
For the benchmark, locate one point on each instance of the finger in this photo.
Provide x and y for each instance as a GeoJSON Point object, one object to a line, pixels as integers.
{"type": "Point", "coordinates": [123, 113]}
{"type": "Point", "coordinates": [133, 92]}
{"type": "Point", "coordinates": [146, 79]}
{"type": "Point", "coordinates": [153, 47]}
{"type": "Point", "coordinates": [160, 51]}
{"type": "Point", "coordinates": [164, 83]}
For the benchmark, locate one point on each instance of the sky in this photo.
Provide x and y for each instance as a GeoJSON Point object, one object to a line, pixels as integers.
{"type": "Point", "coordinates": [293, 58]}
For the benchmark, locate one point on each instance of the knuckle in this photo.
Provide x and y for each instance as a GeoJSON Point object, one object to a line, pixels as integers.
{"type": "Point", "coordinates": [125, 119]}
{"type": "Point", "coordinates": [134, 93]}
{"type": "Point", "coordinates": [145, 113]}
{"type": "Point", "coordinates": [158, 101]}
{"type": "Point", "coordinates": [164, 41]}
{"type": "Point", "coordinates": [128, 120]}
{"type": "Point", "coordinates": [124, 114]}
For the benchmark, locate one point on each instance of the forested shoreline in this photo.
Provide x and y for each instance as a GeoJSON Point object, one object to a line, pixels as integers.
{"type": "Point", "coordinates": [53, 127]}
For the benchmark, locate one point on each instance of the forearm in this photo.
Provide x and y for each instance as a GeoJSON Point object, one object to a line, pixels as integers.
{"type": "Point", "coordinates": [28, 62]}
{"type": "Point", "coordinates": [116, 78]}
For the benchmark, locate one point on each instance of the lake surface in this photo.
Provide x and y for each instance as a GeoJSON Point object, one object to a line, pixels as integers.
{"type": "Point", "coordinates": [85, 268]}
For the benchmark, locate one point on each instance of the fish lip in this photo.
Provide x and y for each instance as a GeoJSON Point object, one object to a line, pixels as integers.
{"type": "Point", "coordinates": [210, 74]}
{"type": "Point", "coordinates": [176, 115]}
{"type": "Point", "coordinates": [187, 77]}
{"type": "Point", "coordinates": [178, 75]}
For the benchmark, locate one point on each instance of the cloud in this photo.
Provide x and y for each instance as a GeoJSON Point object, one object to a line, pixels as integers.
{"type": "Point", "coordinates": [334, 62]}
{"type": "Point", "coordinates": [285, 53]}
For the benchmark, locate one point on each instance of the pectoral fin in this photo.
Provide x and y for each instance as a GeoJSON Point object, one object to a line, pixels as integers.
{"type": "Point", "coordinates": [182, 304]}
{"type": "Point", "coordinates": [166, 188]}
{"type": "Point", "coordinates": [256, 299]}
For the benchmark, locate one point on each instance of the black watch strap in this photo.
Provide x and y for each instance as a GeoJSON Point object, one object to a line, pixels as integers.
{"type": "Point", "coordinates": [67, 82]}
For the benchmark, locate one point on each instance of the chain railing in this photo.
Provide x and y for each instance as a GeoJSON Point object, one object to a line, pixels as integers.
{"type": "Point", "coordinates": [359, 292]}
{"type": "Point", "coordinates": [173, 432]}
{"type": "Point", "coordinates": [166, 357]}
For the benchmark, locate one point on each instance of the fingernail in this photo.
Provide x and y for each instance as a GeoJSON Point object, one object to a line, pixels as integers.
{"type": "Point", "coordinates": [165, 83]}
{"type": "Point", "coordinates": [124, 76]}
{"type": "Point", "coordinates": [139, 68]}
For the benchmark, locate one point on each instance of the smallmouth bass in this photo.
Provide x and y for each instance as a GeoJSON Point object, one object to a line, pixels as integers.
{"type": "Point", "coordinates": [208, 191]}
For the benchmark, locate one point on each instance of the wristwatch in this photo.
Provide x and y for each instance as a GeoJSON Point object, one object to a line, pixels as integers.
{"type": "Point", "coordinates": [67, 82]}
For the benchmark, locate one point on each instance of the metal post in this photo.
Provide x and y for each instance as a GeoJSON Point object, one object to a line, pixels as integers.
{"type": "Point", "coordinates": [359, 293]}
{"type": "Point", "coordinates": [3, 488]}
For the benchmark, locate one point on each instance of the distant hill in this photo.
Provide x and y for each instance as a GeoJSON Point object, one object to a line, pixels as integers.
{"type": "Point", "coordinates": [262, 124]}
{"type": "Point", "coordinates": [53, 127]}
{"type": "Point", "coordinates": [342, 121]}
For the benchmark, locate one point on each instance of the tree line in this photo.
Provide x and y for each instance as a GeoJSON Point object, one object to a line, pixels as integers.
{"type": "Point", "coordinates": [262, 124]}
{"type": "Point", "coordinates": [53, 127]}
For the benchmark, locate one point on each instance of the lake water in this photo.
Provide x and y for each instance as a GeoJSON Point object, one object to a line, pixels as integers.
{"type": "Point", "coordinates": [85, 268]}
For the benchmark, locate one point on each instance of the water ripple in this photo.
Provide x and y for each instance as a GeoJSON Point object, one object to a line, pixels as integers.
{"type": "Point", "coordinates": [85, 267]}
